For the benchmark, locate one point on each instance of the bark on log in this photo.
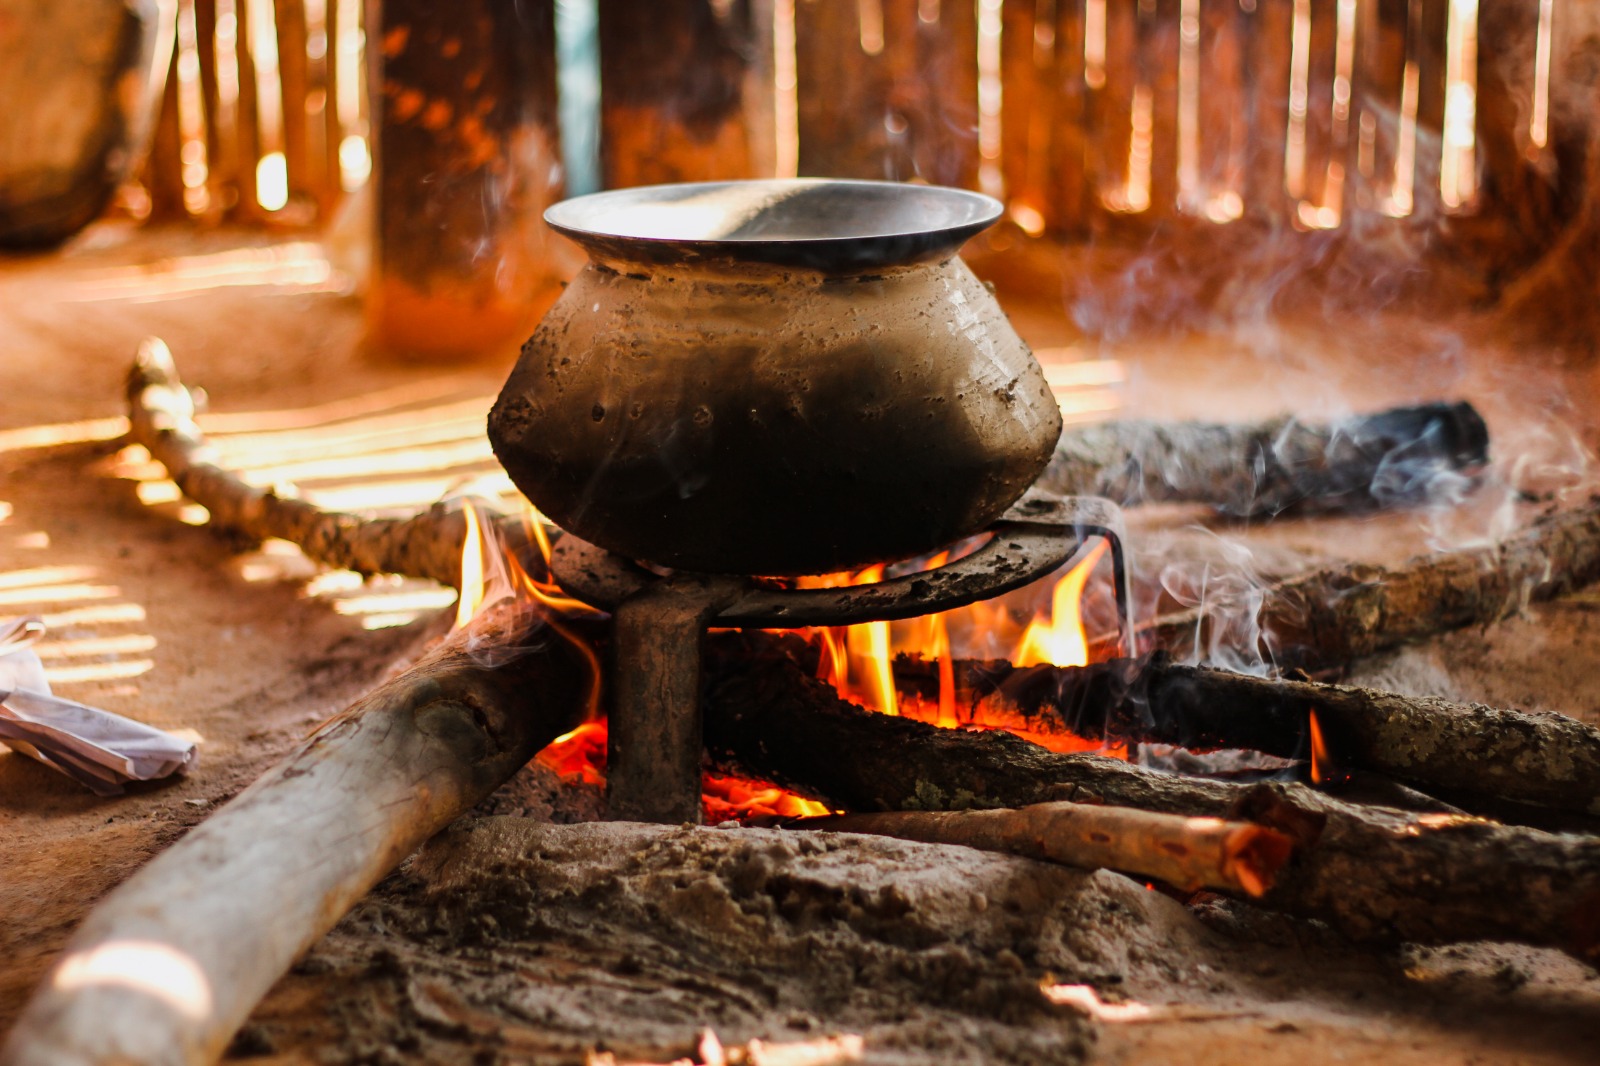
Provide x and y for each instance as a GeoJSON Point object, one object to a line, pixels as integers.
{"type": "Point", "coordinates": [1188, 853]}
{"type": "Point", "coordinates": [1373, 874]}
{"type": "Point", "coordinates": [1331, 616]}
{"type": "Point", "coordinates": [1378, 460]}
{"type": "Point", "coordinates": [1455, 749]}
{"type": "Point", "coordinates": [161, 417]}
{"type": "Point", "coordinates": [167, 967]}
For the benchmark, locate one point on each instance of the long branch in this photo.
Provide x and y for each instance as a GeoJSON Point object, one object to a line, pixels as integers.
{"type": "Point", "coordinates": [1400, 456]}
{"type": "Point", "coordinates": [161, 417]}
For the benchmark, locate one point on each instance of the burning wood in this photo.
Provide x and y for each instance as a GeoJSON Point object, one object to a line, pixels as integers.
{"type": "Point", "coordinates": [1188, 853]}
{"type": "Point", "coordinates": [1332, 616]}
{"type": "Point", "coordinates": [1460, 750]}
{"type": "Point", "coordinates": [1371, 873]}
{"type": "Point", "coordinates": [1401, 456]}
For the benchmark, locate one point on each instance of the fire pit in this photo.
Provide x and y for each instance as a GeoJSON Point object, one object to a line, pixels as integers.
{"type": "Point", "coordinates": [1262, 822]}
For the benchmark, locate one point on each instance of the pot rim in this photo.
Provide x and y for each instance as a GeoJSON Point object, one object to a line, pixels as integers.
{"type": "Point", "coordinates": [832, 225]}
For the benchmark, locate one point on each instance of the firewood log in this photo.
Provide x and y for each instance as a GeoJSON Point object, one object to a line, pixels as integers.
{"type": "Point", "coordinates": [1189, 853]}
{"type": "Point", "coordinates": [1371, 873]}
{"type": "Point", "coordinates": [161, 417]}
{"type": "Point", "coordinates": [1399, 456]}
{"type": "Point", "coordinates": [1332, 616]}
{"type": "Point", "coordinates": [170, 964]}
{"type": "Point", "coordinates": [1451, 749]}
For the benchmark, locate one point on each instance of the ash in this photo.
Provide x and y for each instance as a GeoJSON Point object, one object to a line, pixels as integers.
{"type": "Point", "coordinates": [543, 937]}
{"type": "Point", "coordinates": [516, 940]}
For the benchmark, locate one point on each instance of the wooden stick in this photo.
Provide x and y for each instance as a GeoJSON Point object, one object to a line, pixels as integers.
{"type": "Point", "coordinates": [170, 964]}
{"type": "Point", "coordinates": [1331, 616]}
{"type": "Point", "coordinates": [1371, 873]}
{"type": "Point", "coordinates": [1398, 456]}
{"type": "Point", "coordinates": [161, 417]}
{"type": "Point", "coordinates": [1460, 750]}
{"type": "Point", "coordinates": [1187, 853]}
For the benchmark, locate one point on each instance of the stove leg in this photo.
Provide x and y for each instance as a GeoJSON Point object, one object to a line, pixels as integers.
{"type": "Point", "coordinates": [655, 742]}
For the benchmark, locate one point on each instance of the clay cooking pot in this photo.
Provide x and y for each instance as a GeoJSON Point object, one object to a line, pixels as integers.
{"type": "Point", "coordinates": [774, 377]}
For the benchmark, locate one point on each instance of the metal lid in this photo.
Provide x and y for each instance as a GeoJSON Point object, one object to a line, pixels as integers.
{"type": "Point", "coordinates": [825, 224]}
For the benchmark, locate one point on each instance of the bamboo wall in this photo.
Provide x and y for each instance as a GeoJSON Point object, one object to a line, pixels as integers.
{"type": "Point", "coordinates": [1083, 115]}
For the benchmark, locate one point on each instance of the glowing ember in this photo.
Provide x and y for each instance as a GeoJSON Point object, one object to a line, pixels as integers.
{"type": "Point", "coordinates": [580, 756]}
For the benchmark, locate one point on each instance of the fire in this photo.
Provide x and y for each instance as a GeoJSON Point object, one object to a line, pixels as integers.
{"type": "Point", "coordinates": [1323, 769]}
{"type": "Point", "coordinates": [857, 660]}
{"type": "Point", "coordinates": [491, 572]}
{"type": "Point", "coordinates": [581, 756]}
{"type": "Point", "coordinates": [1062, 640]}
{"type": "Point", "coordinates": [472, 583]}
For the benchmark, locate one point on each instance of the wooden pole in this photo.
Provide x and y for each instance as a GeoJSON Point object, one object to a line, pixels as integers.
{"type": "Point", "coordinates": [170, 964]}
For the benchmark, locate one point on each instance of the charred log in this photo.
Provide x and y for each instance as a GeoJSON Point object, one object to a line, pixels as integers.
{"type": "Point", "coordinates": [1371, 873]}
{"type": "Point", "coordinates": [1331, 616]}
{"type": "Point", "coordinates": [1395, 457]}
{"type": "Point", "coordinates": [1452, 749]}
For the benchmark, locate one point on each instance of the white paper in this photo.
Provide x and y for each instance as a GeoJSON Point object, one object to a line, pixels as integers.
{"type": "Point", "coordinates": [100, 750]}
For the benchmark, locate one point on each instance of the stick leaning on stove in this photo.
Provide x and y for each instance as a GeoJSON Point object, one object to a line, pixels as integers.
{"type": "Point", "coordinates": [461, 727]}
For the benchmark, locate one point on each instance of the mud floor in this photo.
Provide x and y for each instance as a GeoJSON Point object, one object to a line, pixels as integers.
{"type": "Point", "coordinates": [510, 939]}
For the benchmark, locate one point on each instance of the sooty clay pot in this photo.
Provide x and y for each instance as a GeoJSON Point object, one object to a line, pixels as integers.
{"type": "Point", "coordinates": [774, 377]}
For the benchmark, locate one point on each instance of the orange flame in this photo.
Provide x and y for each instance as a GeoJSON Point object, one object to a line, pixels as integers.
{"type": "Point", "coordinates": [1062, 640]}
{"type": "Point", "coordinates": [472, 581]}
{"type": "Point", "coordinates": [580, 753]}
{"type": "Point", "coordinates": [857, 660]}
{"type": "Point", "coordinates": [1322, 768]}
{"type": "Point", "coordinates": [491, 572]}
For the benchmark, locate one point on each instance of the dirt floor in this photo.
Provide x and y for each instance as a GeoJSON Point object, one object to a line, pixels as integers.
{"type": "Point", "coordinates": [510, 939]}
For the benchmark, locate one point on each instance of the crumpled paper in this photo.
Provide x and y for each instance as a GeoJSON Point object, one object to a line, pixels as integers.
{"type": "Point", "coordinates": [99, 750]}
